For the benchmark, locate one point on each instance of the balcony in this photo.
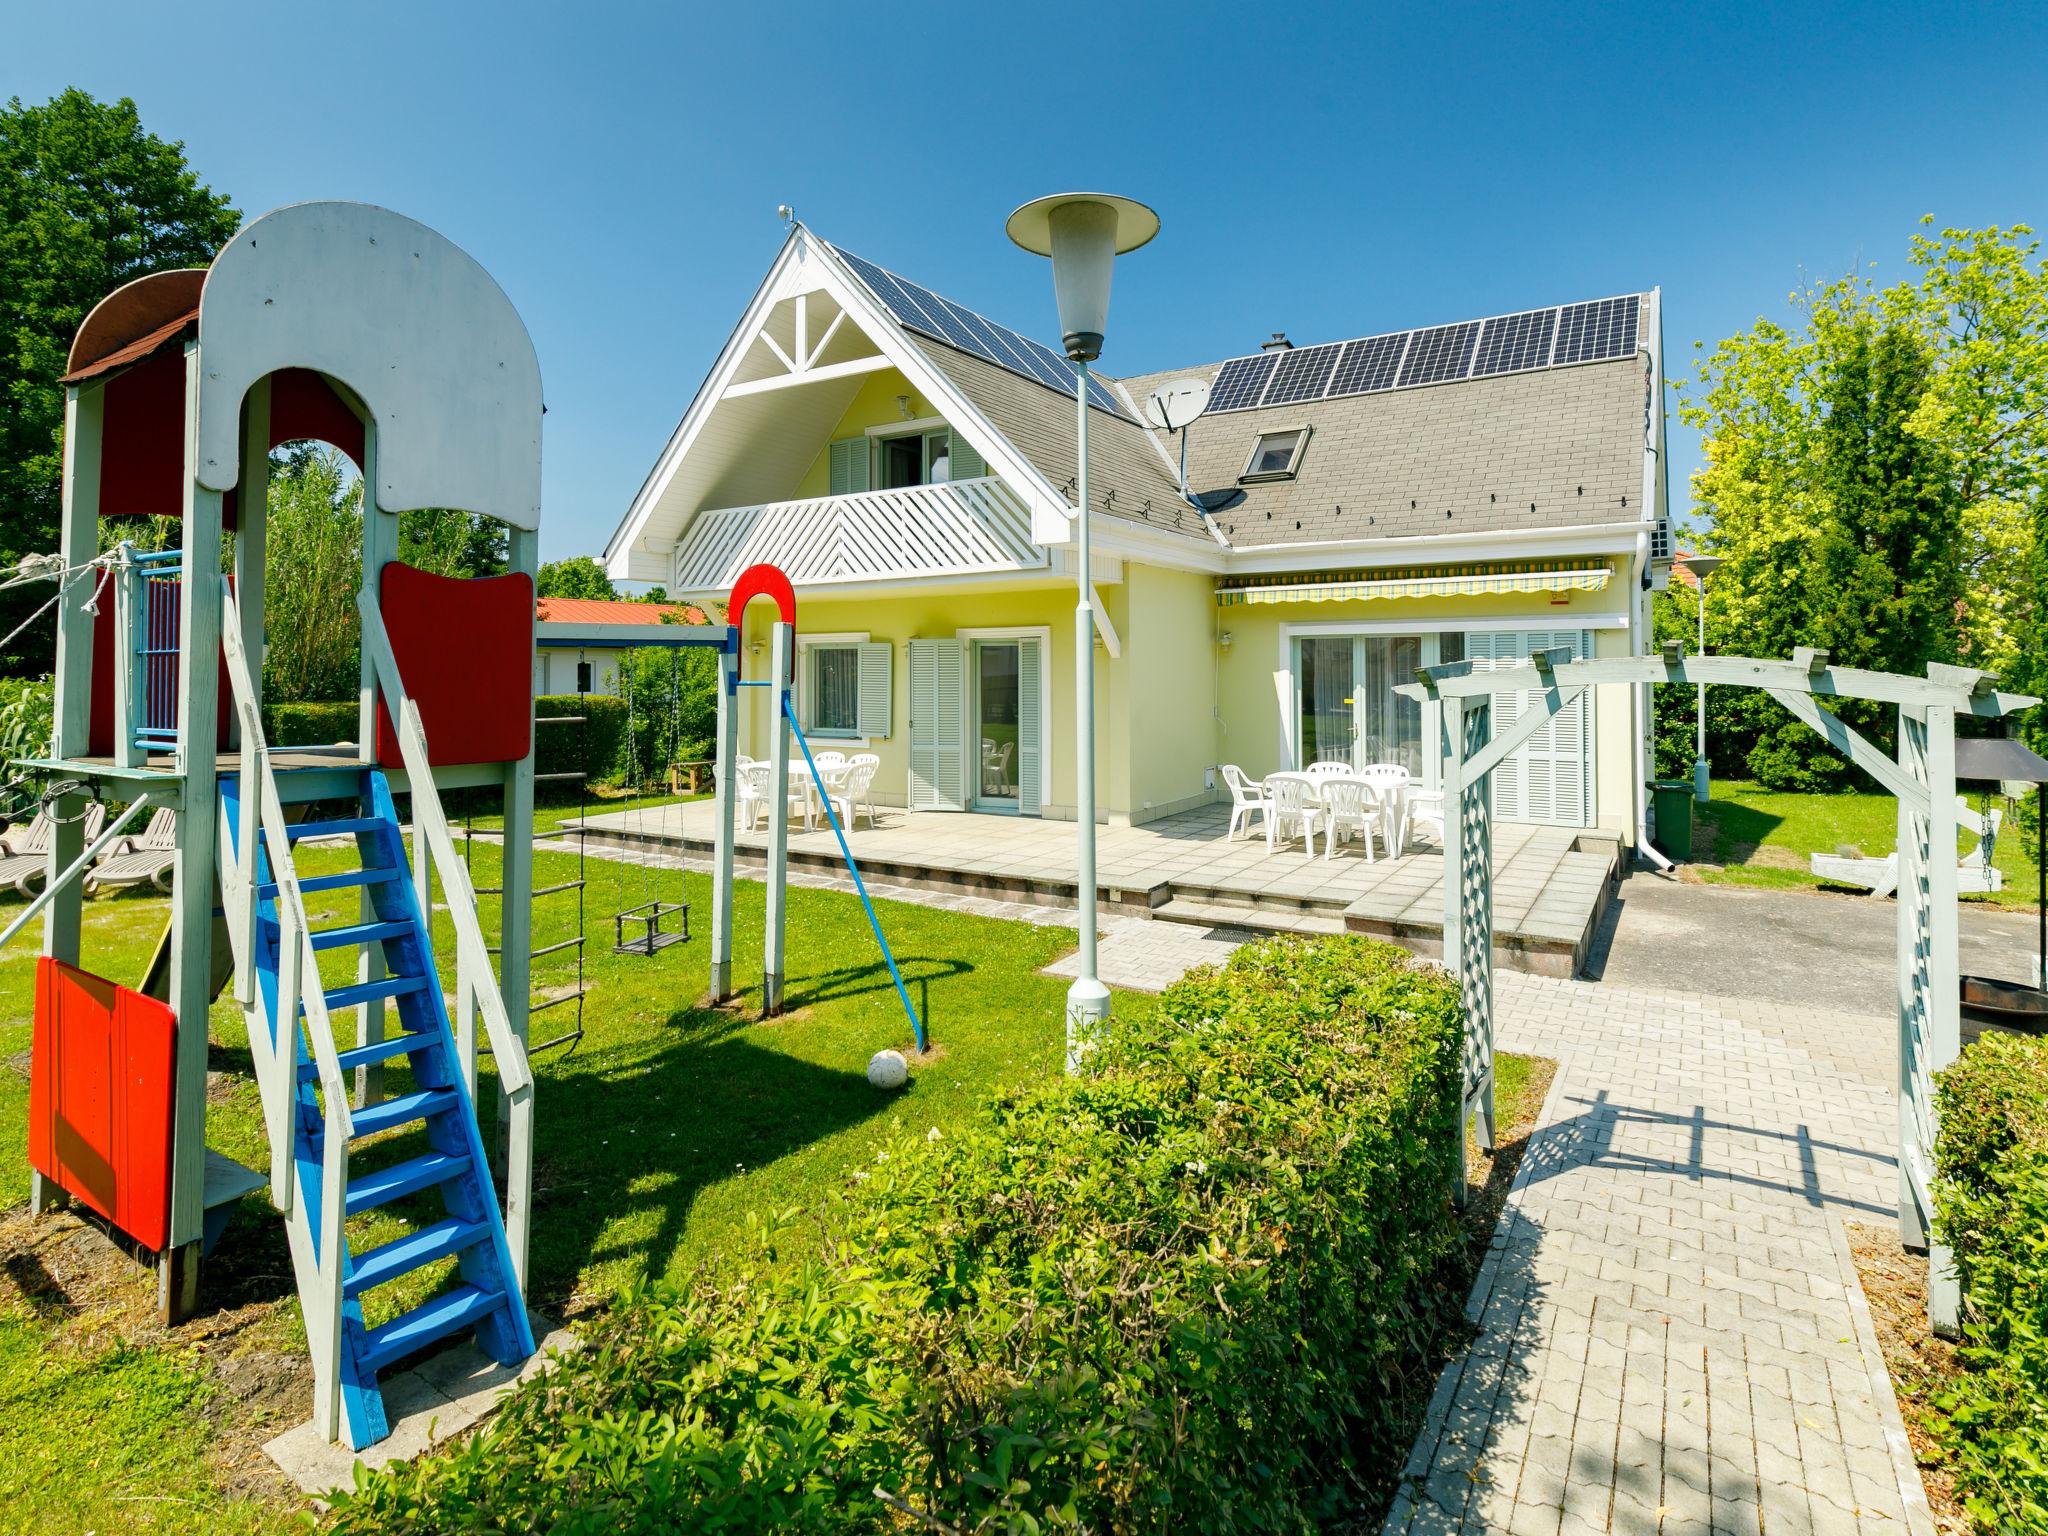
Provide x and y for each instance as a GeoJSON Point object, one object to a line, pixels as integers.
{"type": "Point", "coordinates": [965, 527]}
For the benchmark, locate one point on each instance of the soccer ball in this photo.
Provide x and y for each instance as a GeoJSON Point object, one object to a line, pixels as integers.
{"type": "Point", "coordinates": [888, 1069]}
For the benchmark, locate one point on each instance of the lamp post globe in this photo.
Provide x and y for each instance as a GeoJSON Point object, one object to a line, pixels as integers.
{"type": "Point", "coordinates": [1083, 233]}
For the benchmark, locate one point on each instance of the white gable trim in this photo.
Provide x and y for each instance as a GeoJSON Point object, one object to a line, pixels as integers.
{"type": "Point", "coordinates": [805, 265]}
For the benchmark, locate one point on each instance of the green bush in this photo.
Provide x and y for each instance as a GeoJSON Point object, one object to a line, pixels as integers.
{"type": "Point", "coordinates": [1992, 1211]}
{"type": "Point", "coordinates": [596, 748]}
{"type": "Point", "coordinates": [27, 712]}
{"type": "Point", "coordinates": [1188, 1290]}
{"type": "Point", "coordinates": [314, 724]}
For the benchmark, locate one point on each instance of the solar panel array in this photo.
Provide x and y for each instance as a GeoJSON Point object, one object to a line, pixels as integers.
{"type": "Point", "coordinates": [919, 309]}
{"type": "Point", "coordinates": [1594, 332]}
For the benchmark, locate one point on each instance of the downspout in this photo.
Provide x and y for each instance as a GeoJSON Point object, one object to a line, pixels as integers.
{"type": "Point", "coordinates": [1639, 606]}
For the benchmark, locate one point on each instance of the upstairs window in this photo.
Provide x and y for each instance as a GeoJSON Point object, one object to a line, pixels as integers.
{"type": "Point", "coordinates": [1275, 456]}
{"type": "Point", "coordinates": [888, 462]}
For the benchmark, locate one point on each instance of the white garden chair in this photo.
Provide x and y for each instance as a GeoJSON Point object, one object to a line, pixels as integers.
{"type": "Point", "coordinates": [1247, 799]}
{"type": "Point", "coordinates": [1294, 807]}
{"type": "Point", "coordinates": [864, 797]}
{"type": "Point", "coordinates": [1422, 808]}
{"type": "Point", "coordinates": [849, 789]}
{"type": "Point", "coordinates": [1350, 804]}
{"type": "Point", "coordinates": [1390, 781]}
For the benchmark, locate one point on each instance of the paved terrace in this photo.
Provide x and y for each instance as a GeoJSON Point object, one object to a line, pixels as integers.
{"type": "Point", "coordinates": [1550, 883]}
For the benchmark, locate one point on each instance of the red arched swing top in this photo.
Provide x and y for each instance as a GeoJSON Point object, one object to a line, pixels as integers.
{"type": "Point", "coordinates": [761, 581]}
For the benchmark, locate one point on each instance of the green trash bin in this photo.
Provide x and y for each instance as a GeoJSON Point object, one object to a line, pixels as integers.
{"type": "Point", "coordinates": [1672, 801]}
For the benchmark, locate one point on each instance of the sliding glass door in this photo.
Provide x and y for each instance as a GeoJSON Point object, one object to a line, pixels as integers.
{"type": "Point", "coordinates": [1346, 710]}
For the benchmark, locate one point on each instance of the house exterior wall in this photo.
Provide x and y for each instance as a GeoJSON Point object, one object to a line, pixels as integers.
{"type": "Point", "coordinates": [554, 669]}
{"type": "Point", "coordinates": [874, 406]}
{"type": "Point", "coordinates": [1170, 677]}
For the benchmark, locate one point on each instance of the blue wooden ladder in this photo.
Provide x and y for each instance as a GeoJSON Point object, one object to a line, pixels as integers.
{"type": "Point", "coordinates": [487, 1297]}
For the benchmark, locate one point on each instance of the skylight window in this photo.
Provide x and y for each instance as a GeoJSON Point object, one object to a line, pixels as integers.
{"type": "Point", "coordinates": [1275, 455]}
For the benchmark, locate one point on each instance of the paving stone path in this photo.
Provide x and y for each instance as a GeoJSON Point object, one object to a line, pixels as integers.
{"type": "Point", "coordinates": [1671, 1335]}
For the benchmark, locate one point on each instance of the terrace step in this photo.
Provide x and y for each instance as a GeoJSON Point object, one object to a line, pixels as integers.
{"type": "Point", "coordinates": [1202, 914]}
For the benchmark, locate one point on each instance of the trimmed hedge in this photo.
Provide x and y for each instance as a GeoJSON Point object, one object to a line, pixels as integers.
{"type": "Point", "coordinates": [1188, 1290]}
{"type": "Point", "coordinates": [1992, 1211]}
{"type": "Point", "coordinates": [598, 748]}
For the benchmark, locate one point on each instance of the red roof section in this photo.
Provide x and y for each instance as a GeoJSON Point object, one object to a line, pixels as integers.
{"type": "Point", "coordinates": [597, 610]}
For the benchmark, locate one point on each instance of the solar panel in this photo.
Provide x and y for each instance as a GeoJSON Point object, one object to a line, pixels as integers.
{"type": "Point", "coordinates": [1241, 382]}
{"type": "Point", "coordinates": [1593, 332]}
{"type": "Point", "coordinates": [918, 308]}
{"type": "Point", "coordinates": [1368, 364]}
{"type": "Point", "coordinates": [1439, 354]}
{"type": "Point", "coordinates": [1511, 343]}
{"type": "Point", "coordinates": [1303, 374]}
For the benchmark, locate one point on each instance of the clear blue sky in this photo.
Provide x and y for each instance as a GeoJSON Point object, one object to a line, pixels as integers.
{"type": "Point", "coordinates": [1329, 172]}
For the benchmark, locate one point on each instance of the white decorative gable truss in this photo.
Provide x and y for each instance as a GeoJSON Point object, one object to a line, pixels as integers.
{"type": "Point", "coordinates": [808, 340]}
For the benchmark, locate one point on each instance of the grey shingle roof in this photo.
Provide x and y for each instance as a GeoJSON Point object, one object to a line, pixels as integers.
{"type": "Point", "coordinates": [1127, 478]}
{"type": "Point", "coordinates": [1467, 457]}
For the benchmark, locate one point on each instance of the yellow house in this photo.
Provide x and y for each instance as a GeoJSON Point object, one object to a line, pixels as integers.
{"type": "Point", "coordinates": [1351, 510]}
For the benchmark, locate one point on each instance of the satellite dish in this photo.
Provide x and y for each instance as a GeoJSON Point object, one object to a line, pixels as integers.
{"type": "Point", "coordinates": [1172, 406]}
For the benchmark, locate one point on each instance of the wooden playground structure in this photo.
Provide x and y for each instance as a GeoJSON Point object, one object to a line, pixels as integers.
{"type": "Point", "coordinates": [361, 328]}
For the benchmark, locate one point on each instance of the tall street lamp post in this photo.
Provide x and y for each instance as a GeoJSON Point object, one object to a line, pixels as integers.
{"type": "Point", "coordinates": [1701, 566]}
{"type": "Point", "coordinates": [1083, 233]}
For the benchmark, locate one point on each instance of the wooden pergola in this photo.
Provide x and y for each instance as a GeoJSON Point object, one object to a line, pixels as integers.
{"type": "Point", "coordinates": [1921, 775]}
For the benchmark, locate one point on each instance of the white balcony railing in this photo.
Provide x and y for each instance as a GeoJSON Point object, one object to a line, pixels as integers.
{"type": "Point", "coordinates": [965, 527]}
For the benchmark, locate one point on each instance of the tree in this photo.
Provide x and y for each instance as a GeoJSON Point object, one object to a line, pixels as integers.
{"type": "Point", "coordinates": [452, 543]}
{"type": "Point", "coordinates": [88, 201]}
{"type": "Point", "coordinates": [580, 577]}
{"type": "Point", "coordinates": [314, 564]}
{"type": "Point", "coordinates": [1875, 475]}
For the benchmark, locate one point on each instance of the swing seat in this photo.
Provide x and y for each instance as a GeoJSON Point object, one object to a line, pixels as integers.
{"type": "Point", "coordinates": [650, 915]}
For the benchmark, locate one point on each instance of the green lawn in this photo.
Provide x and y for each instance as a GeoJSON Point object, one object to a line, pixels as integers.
{"type": "Point", "coordinates": [1747, 835]}
{"type": "Point", "coordinates": [656, 1136]}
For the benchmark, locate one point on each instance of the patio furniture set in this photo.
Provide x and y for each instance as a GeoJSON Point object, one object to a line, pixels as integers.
{"type": "Point", "coordinates": [846, 782]}
{"type": "Point", "coordinates": [145, 859]}
{"type": "Point", "coordinates": [1337, 800]}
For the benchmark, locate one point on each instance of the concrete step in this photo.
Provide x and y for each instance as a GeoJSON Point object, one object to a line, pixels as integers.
{"type": "Point", "coordinates": [1203, 914]}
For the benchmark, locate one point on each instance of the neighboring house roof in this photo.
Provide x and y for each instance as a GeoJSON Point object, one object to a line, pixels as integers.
{"type": "Point", "coordinates": [1559, 447]}
{"type": "Point", "coordinates": [597, 610]}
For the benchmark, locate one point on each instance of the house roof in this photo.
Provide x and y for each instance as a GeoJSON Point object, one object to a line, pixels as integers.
{"type": "Point", "coordinates": [597, 610]}
{"type": "Point", "coordinates": [1560, 447]}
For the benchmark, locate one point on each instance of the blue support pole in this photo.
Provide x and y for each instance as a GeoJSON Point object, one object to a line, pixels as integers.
{"type": "Point", "coordinates": [846, 853]}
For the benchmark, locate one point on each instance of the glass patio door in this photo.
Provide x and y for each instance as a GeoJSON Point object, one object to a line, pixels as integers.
{"type": "Point", "coordinates": [1346, 710]}
{"type": "Point", "coordinates": [1004, 682]}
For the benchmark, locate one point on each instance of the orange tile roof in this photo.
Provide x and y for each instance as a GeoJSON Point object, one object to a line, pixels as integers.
{"type": "Point", "coordinates": [595, 610]}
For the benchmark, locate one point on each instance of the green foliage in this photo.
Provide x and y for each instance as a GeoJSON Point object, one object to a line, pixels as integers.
{"type": "Point", "coordinates": [312, 568]}
{"type": "Point", "coordinates": [1186, 1290]}
{"type": "Point", "coordinates": [1876, 474]}
{"type": "Point", "coordinates": [1992, 1210]}
{"type": "Point", "coordinates": [88, 201]}
{"type": "Point", "coordinates": [597, 748]}
{"type": "Point", "coordinates": [580, 577]}
{"type": "Point", "coordinates": [27, 710]}
{"type": "Point", "coordinates": [675, 709]}
{"type": "Point", "coordinates": [312, 722]}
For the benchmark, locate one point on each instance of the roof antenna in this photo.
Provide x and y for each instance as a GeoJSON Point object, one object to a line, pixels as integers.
{"type": "Point", "coordinates": [1173, 407]}
{"type": "Point", "coordinates": [786, 213]}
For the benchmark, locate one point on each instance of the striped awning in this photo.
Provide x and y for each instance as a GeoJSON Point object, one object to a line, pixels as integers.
{"type": "Point", "coordinates": [1418, 581]}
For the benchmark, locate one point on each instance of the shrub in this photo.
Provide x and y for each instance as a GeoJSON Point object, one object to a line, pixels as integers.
{"type": "Point", "coordinates": [1187, 1290]}
{"type": "Point", "coordinates": [1992, 1211]}
{"type": "Point", "coordinates": [27, 711]}
{"type": "Point", "coordinates": [319, 723]}
{"type": "Point", "coordinates": [596, 748]}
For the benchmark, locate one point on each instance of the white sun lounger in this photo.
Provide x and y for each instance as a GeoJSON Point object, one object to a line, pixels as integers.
{"type": "Point", "coordinates": [26, 861]}
{"type": "Point", "coordinates": [134, 860]}
{"type": "Point", "coordinates": [1975, 873]}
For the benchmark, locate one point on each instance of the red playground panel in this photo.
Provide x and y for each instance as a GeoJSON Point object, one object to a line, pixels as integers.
{"type": "Point", "coordinates": [99, 1097]}
{"type": "Point", "coordinates": [465, 651]}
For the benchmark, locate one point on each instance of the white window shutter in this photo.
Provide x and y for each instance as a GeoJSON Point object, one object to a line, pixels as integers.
{"type": "Point", "coordinates": [938, 723]}
{"type": "Point", "coordinates": [1030, 749]}
{"type": "Point", "coordinates": [848, 466]}
{"type": "Point", "coordinates": [964, 463]}
{"type": "Point", "coordinates": [1548, 779]}
{"type": "Point", "coordinates": [877, 659]}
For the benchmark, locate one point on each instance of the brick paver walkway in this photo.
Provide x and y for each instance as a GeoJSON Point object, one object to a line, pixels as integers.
{"type": "Point", "coordinates": [1671, 1335]}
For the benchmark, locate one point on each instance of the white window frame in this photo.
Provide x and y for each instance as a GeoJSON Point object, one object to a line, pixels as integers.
{"type": "Point", "coordinates": [1247, 477]}
{"type": "Point", "coordinates": [805, 644]}
{"type": "Point", "coordinates": [1042, 633]}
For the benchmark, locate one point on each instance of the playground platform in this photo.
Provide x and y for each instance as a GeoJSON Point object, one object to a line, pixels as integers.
{"type": "Point", "coordinates": [1551, 884]}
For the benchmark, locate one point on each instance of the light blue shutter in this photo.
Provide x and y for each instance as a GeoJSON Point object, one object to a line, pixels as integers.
{"type": "Point", "coordinates": [849, 466]}
{"type": "Point", "coordinates": [964, 463]}
{"type": "Point", "coordinates": [1030, 749]}
{"type": "Point", "coordinates": [938, 723]}
{"type": "Point", "coordinates": [1548, 778]}
{"type": "Point", "coordinates": [877, 659]}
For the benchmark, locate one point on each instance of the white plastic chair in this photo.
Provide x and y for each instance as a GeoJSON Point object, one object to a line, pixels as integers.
{"type": "Point", "coordinates": [1350, 804]}
{"type": "Point", "coordinates": [753, 787]}
{"type": "Point", "coordinates": [1293, 800]}
{"type": "Point", "coordinates": [1390, 782]}
{"type": "Point", "coordinates": [1328, 769]}
{"type": "Point", "coordinates": [850, 788]}
{"type": "Point", "coordinates": [1423, 808]}
{"type": "Point", "coordinates": [864, 797]}
{"type": "Point", "coordinates": [1247, 799]}
{"type": "Point", "coordinates": [828, 760]}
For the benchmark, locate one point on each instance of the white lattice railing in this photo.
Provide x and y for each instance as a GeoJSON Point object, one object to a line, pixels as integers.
{"type": "Point", "coordinates": [961, 528]}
